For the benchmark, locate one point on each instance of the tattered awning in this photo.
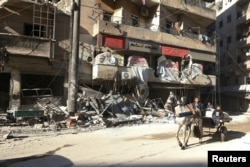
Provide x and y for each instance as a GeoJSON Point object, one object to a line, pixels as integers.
{"type": "Point", "coordinates": [174, 51]}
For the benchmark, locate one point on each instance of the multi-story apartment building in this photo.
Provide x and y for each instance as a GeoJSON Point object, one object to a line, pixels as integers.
{"type": "Point", "coordinates": [155, 46]}
{"type": "Point", "coordinates": [159, 36]}
{"type": "Point", "coordinates": [232, 30]}
{"type": "Point", "coordinates": [34, 43]}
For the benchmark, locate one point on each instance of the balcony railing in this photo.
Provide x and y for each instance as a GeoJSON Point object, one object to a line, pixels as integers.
{"type": "Point", "coordinates": [192, 33]}
{"type": "Point", "coordinates": [110, 72]}
{"type": "Point", "coordinates": [27, 46]}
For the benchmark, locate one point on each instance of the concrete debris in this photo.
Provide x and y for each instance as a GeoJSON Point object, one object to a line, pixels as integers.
{"type": "Point", "coordinates": [97, 109]}
{"type": "Point", "coordinates": [8, 135]}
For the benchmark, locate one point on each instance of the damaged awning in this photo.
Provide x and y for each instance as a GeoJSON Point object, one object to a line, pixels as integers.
{"type": "Point", "coordinates": [174, 51]}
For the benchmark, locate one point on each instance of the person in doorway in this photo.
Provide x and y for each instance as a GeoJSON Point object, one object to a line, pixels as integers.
{"type": "Point", "coordinates": [217, 115]}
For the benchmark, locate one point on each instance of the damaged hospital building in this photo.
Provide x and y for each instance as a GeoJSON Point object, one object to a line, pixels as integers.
{"type": "Point", "coordinates": [146, 48]}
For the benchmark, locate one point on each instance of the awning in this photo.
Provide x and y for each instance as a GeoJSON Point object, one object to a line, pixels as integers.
{"type": "Point", "coordinates": [203, 56]}
{"type": "Point", "coordinates": [174, 51]}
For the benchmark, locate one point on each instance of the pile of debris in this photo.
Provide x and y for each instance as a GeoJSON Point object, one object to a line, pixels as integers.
{"type": "Point", "coordinates": [103, 110]}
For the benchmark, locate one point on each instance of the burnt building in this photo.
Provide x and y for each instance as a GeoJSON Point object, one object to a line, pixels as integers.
{"type": "Point", "coordinates": [145, 47]}
{"type": "Point", "coordinates": [34, 43]}
{"type": "Point", "coordinates": [155, 46]}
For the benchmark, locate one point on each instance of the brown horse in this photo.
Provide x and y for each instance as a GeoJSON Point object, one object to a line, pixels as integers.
{"type": "Point", "coordinates": [190, 117]}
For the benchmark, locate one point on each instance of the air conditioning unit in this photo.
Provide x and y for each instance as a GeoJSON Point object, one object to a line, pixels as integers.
{"type": "Point", "coordinates": [126, 75]}
{"type": "Point", "coordinates": [144, 11]}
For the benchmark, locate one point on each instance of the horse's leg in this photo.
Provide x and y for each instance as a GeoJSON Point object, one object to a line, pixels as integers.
{"type": "Point", "coordinates": [184, 137]}
{"type": "Point", "coordinates": [177, 136]}
{"type": "Point", "coordinates": [188, 135]}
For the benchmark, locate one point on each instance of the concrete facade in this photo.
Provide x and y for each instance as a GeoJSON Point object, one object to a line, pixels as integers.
{"type": "Point", "coordinates": [177, 30]}
{"type": "Point", "coordinates": [118, 24]}
{"type": "Point", "coordinates": [34, 42]}
{"type": "Point", "coordinates": [232, 27]}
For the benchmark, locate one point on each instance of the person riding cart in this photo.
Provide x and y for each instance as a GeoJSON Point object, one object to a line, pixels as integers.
{"type": "Point", "coordinates": [217, 116]}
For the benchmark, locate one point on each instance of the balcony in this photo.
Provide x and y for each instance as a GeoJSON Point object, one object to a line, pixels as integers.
{"type": "Point", "coordinates": [143, 32]}
{"type": "Point", "coordinates": [110, 72]}
{"type": "Point", "coordinates": [27, 46]}
{"type": "Point", "coordinates": [195, 10]}
{"type": "Point", "coordinates": [243, 18]}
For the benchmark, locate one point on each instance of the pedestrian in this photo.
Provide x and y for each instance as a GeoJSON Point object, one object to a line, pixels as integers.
{"type": "Point", "coordinates": [199, 112]}
{"type": "Point", "coordinates": [197, 105]}
{"type": "Point", "coordinates": [209, 105]}
{"type": "Point", "coordinates": [217, 116]}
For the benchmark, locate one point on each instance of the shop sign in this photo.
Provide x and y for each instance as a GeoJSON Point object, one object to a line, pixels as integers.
{"type": "Point", "coordinates": [143, 46]}
{"type": "Point", "coordinates": [113, 42]}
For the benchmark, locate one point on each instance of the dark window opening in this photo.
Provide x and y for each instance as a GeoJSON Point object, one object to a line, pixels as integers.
{"type": "Point", "coordinates": [38, 31]}
{"type": "Point", "coordinates": [135, 21]}
{"type": "Point", "coordinates": [228, 18]}
{"type": "Point", "coordinates": [220, 24]}
{"type": "Point", "coordinates": [168, 26]}
{"type": "Point", "coordinates": [107, 16]}
{"type": "Point", "coordinates": [229, 39]}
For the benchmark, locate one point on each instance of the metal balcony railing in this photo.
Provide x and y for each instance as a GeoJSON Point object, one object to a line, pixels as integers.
{"type": "Point", "coordinates": [192, 33]}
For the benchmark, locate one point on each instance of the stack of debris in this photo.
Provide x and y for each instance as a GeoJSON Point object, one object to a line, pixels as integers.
{"type": "Point", "coordinates": [104, 110]}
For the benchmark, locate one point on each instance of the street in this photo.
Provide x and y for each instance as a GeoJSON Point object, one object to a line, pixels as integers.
{"type": "Point", "coordinates": [129, 145]}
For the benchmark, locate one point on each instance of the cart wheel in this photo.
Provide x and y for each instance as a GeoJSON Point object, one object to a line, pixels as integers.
{"type": "Point", "coordinates": [223, 133]}
{"type": "Point", "coordinates": [32, 121]}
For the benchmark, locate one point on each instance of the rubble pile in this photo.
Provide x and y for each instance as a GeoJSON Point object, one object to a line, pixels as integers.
{"type": "Point", "coordinates": [95, 109]}
{"type": "Point", "coordinates": [114, 109]}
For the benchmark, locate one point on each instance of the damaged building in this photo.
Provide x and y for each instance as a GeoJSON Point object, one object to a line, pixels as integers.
{"type": "Point", "coordinates": [138, 49]}
{"type": "Point", "coordinates": [34, 43]}
{"type": "Point", "coordinates": [150, 46]}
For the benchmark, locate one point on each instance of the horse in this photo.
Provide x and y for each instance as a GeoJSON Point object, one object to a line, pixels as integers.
{"type": "Point", "coordinates": [192, 116]}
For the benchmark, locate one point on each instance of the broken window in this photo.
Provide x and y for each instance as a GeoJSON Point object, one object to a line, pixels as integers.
{"type": "Point", "coordinates": [43, 21]}
{"type": "Point", "coordinates": [36, 32]}
{"type": "Point", "coordinates": [168, 26]}
{"type": "Point", "coordinates": [107, 16]}
{"type": "Point", "coordinates": [135, 21]}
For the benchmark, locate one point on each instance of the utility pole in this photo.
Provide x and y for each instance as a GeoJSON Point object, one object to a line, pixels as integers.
{"type": "Point", "coordinates": [74, 58]}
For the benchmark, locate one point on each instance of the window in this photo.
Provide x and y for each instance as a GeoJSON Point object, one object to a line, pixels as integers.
{"type": "Point", "coordinates": [36, 30]}
{"type": "Point", "coordinates": [221, 43]}
{"type": "Point", "coordinates": [168, 26]}
{"type": "Point", "coordinates": [229, 39]}
{"type": "Point", "coordinates": [239, 59]}
{"type": "Point", "coordinates": [221, 24]}
{"type": "Point", "coordinates": [135, 20]}
{"type": "Point", "coordinates": [107, 16]}
{"type": "Point", "coordinates": [236, 81]}
{"type": "Point", "coordinates": [248, 80]}
{"type": "Point", "coordinates": [228, 18]}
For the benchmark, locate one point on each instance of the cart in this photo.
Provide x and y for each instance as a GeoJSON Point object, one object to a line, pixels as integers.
{"type": "Point", "coordinates": [30, 116]}
{"type": "Point", "coordinates": [208, 122]}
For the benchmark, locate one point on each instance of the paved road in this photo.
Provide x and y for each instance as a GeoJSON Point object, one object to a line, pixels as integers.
{"type": "Point", "coordinates": [129, 146]}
